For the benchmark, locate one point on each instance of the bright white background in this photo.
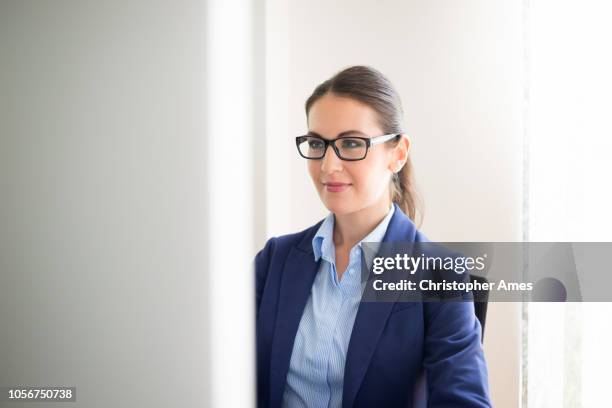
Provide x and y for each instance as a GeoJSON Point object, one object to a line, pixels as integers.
{"type": "Point", "coordinates": [567, 350]}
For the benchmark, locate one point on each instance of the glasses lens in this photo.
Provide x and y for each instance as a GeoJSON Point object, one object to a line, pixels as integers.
{"type": "Point", "coordinates": [311, 147]}
{"type": "Point", "coordinates": [351, 149]}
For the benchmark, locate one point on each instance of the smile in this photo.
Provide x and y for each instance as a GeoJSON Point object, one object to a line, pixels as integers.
{"type": "Point", "coordinates": [336, 187]}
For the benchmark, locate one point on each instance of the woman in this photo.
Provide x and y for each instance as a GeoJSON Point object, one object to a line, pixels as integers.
{"type": "Point", "coordinates": [318, 345]}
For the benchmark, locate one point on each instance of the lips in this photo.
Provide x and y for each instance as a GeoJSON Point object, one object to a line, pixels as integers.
{"type": "Point", "coordinates": [335, 187]}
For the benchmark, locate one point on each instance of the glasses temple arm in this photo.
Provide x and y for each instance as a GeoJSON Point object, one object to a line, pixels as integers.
{"type": "Point", "coordinates": [383, 138]}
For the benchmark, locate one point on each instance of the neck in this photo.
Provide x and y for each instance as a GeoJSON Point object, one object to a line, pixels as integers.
{"type": "Point", "coordinates": [351, 228]}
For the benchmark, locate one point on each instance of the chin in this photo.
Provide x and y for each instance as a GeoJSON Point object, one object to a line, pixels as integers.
{"type": "Point", "coordinates": [340, 207]}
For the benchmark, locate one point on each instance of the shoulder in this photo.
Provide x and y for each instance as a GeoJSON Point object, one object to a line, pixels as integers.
{"type": "Point", "coordinates": [275, 252]}
{"type": "Point", "coordinates": [402, 229]}
{"type": "Point", "coordinates": [283, 243]}
{"type": "Point", "coordinates": [277, 248]}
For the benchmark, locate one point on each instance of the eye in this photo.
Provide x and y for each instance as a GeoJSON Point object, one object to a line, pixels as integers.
{"type": "Point", "coordinates": [352, 143]}
{"type": "Point", "coordinates": [315, 144]}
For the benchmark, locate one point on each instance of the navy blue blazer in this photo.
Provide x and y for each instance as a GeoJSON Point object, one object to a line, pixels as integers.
{"type": "Point", "coordinates": [397, 350]}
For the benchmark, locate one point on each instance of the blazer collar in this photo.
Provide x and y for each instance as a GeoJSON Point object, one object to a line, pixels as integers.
{"type": "Point", "coordinates": [371, 318]}
{"type": "Point", "coordinates": [297, 278]}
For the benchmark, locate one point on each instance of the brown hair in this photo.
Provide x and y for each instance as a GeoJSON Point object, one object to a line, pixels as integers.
{"type": "Point", "coordinates": [369, 86]}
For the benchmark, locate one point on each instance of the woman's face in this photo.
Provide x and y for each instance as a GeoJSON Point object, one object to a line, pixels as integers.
{"type": "Point", "coordinates": [349, 186]}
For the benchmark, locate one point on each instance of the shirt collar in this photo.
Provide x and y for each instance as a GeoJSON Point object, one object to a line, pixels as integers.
{"type": "Point", "coordinates": [323, 243]}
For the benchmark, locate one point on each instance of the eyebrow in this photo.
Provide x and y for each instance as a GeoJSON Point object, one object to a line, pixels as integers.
{"type": "Point", "coordinates": [341, 134]}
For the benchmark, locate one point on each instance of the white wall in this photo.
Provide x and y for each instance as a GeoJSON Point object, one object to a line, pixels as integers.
{"type": "Point", "coordinates": [103, 246]}
{"type": "Point", "coordinates": [233, 72]}
{"type": "Point", "coordinates": [458, 68]}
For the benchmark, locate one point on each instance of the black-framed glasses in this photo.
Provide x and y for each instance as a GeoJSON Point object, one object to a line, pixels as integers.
{"type": "Point", "coordinates": [350, 148]}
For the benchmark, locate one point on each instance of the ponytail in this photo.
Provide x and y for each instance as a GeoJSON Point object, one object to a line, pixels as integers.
{"type": "Point", "coordinates": [404, 193]}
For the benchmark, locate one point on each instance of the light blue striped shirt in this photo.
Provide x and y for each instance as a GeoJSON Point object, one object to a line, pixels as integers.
{"type": "Point", "coordinates": [316, 370]}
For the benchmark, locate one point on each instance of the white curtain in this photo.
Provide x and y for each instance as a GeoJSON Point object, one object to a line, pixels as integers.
{"type": "Point", "coordinates": [569, 194]}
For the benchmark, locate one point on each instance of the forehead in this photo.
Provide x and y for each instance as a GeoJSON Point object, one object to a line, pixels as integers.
{"type": "Point", "coordinates": [333, 114]}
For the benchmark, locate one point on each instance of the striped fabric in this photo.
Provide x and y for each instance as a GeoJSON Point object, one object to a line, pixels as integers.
{"type": "Point", "coordinates": [316, 370]}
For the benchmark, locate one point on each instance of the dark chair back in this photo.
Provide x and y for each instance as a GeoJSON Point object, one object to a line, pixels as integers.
{"type": "Point", "coordinates": [481, 299]}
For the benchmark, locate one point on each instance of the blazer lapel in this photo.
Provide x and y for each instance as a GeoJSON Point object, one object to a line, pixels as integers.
{"type": "Point", "coordinates": [371, 319]}
{"type": "Point", "coordinates": [296, 282]}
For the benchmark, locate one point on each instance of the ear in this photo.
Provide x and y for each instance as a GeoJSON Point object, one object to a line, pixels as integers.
{"type": "Point", "coordinates": [400, 154]}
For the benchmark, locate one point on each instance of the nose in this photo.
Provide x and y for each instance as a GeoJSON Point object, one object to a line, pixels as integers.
{"type": "Point", "coordinates": [330, 162]}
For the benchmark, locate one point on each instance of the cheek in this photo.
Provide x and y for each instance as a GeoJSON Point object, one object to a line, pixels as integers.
{"type": "Point", "coordinates": [314, 169]}
{"type": "Point", "coordinates": [371, 178]}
